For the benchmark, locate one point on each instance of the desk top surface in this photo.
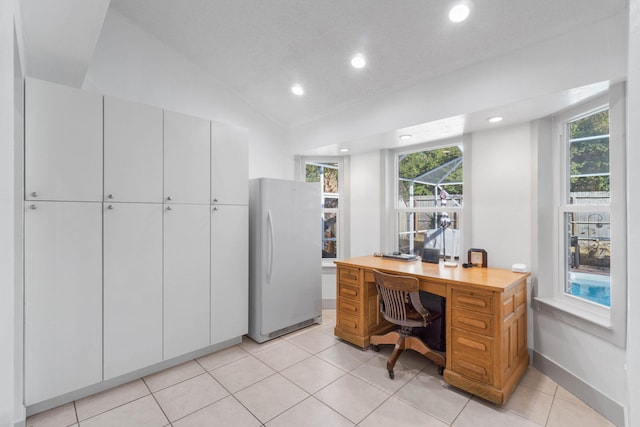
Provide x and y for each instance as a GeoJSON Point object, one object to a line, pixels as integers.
{"type": "Point", "coordinates": [495, 279]}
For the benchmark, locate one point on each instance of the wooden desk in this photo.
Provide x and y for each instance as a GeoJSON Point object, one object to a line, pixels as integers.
{"type": "Point", "coordinates": [486, 318]}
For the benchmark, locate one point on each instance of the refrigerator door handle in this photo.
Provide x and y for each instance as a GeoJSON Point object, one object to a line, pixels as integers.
{"type": "Point", "coordinates": [271, 246]}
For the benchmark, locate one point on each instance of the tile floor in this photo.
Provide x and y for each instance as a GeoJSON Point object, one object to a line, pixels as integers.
{"type": "Point", "coordinates": [310, 378]}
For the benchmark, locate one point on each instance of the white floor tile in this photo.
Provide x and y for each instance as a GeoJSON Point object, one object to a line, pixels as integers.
{"type": "Point", "coordinates": [529, 403]}
{"type": "Point", "coordinates": [345, 356]}
{"type": "Point", "coordinates": [310, 413]}
{"type": "Point", "coordinates": [374, 371]}
{"type": "Point", "coordinates": [352, 397]}
{"type": "Point", "coordinates": [270, 397]}
{"type": "Point", "coordinates": [142, 412]}
{"type": "Point", "coordinates": [394, 412]}
{"type": "Point", "coordinates": [313, 341]}
{"type": "Point", "coordinates": [171, 376]}
{"type": "Point", "coordinates": [189, 396]}
{"type": "Point", "coordinates": [241, 373]}
{"type": "Point", "coordinates": [535, 379]}
{"type": "Point", "coordinates": [281, 355]}
{"type": "Point", "coordinates": [109, 399]}
{"type": "Point", "coordinates": [564, 413]}
{"type": "Point", "coordinates": [312, 374]}
{"type": "Point", "coordinates": [225, 412]}
{"type": "Point", "coordinates": [433, 396]}
{"type": "Point", "coordinates": [482, 414]}
{"type": "Point", "coordinates": [222, 357]}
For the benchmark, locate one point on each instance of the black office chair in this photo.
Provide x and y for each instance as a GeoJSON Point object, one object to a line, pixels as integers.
{"type": "Point", "coordinates": [400, 304]}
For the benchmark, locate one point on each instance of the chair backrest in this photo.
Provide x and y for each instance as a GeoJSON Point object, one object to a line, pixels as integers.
{"type": "Point", "coordinates": [401, 299]}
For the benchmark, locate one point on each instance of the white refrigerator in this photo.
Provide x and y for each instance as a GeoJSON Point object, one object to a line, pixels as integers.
{"type": "Point", "coordinates": [285, 271]}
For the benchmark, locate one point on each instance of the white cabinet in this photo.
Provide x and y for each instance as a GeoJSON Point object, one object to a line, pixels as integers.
{"type": "Point", "coordinates": [187, 145]}
{"type": "Point", "coordinates": [186, 278]}
{"type": "Point", "coordinates": [229, 165]}
{"type": "Point", "coordinates": [63, 297]}
{"type": "Point", "coordinates": [229, 272]}
{"type": "Point", "coordinates": [132, 152]}
{"type": "Point", "coordinates": [63, 143]}
{"type": "Point", "coordinates": [132, 287]}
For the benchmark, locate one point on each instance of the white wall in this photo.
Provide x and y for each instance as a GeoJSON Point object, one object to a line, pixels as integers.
{"type": "Point", "coordinates": [501, 203]}
{"type": "Point", "coordinates": [366, 203]}
{"type": "Point", "coordinates": [11, 410]}
{"type": "Point", "coordinates": [131, 64]}
{"type": "Point", "coordinates": [633, 213]}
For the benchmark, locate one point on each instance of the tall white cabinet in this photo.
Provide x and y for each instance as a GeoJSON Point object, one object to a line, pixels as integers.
{"type": "Point", "coordinates": [135, 240]}
{"type": "Point", "coordinates": [63, 297]}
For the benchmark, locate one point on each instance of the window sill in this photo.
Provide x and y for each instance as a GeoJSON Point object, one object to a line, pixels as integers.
{"type": "Point", "coordinates": [575, 315]}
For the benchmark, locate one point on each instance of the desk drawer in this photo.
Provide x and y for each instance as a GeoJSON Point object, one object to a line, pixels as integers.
{"type": "Point", "coordinates": [348, 306]}
{"type": "Point", "coordinates": [473, 301]}
{"type": "Point", "coordinates": [350, 324]}
{"type": "Point", "coordinates": [472, 355]}
{"type": "Point", "coordinates": [349, 275]}
{"type": "Point", "coordinates": [349, 291]}
{"type": "Point", "coordinates": [472, 322]}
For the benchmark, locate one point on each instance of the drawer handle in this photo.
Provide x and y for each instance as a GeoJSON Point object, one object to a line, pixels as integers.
{"type": "Point", "coordinates": [350, 276]}
{"type": "Point", "coordinates": [349, 307]}
{"type": "Point", "coordinates": [350, 323]}
{"type": "Point", "coordinates": [472, 367]}
{"type": "Point", "coordinates": [472, 344]}
{"type": "Point", "coordinates": [474, 323]}
{"type": "Point", "coordinates": [473, 301]}
{"type": "Point", "coordinates": [349, 292]}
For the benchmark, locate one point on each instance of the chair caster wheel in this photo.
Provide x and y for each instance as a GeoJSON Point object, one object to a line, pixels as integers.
{"type": "Point", "coordinates": [375, 347]}
{"type": "Point", "coordinates": [440, 370]}
{"type": "Point", "coordinates": [391, 374]}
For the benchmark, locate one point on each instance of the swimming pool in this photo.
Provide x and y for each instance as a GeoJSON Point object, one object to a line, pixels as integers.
{"type": "Point", "coordinates": [592, 287]}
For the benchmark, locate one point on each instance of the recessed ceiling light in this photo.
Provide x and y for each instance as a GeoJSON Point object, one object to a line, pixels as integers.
{"type": "Point", "coordinates": [344, 150]}
{"type": "Point", "coordinates": [358, 61]}
{"type": "Point", "coordinates": [405, 137]}
{"type": "Point", "coordinates": [297, 90]}
{"type": "Point", "coordinates": [459, 13]}
{"type": "Point", "coordinates": [495, 119]}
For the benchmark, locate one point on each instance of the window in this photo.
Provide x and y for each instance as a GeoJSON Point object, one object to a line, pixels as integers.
{"type": "Point", "coordinates": [429, 200]}
{"type": "Point", "coordinates": [582, 221]}
{"type": "Point", "coordinates": [585, 208]}
{"type": "Point", "coordinates": [328, 174]}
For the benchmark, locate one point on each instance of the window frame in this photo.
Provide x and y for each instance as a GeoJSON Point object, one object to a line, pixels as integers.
{"type": "Point", "coordinates": [396, 210]}
{"type": "Point", "coordinates": [608, 323]}
{"type": "Point", "coordinates": [342, 246]}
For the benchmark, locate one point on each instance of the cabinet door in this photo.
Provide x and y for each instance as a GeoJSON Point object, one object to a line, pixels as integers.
{"type": "Point", "coordinates": [229, 165]}
{"type": "Point", "coordinates": [229, 272]}
{"type": "Point", "coordinates": [132, 152]}
{"type": "Point", "coordinates": [187, 145]}
{"type": "Point", "coordinates": [63, 298]}
{"type": "Point", "coordinates": [186, 279]}
{"type": "Point", "coordinates": [63, 143]}
{"type": "Point", "coordinates": [132, 287]}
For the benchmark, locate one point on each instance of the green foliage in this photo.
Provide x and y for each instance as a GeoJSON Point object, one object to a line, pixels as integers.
{"type": "Point", "coordinates": [414, 165]}
{"type": "Point", "coordinates": [590, 156]}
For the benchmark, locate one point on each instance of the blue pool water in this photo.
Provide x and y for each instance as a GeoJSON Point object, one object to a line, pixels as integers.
{"type": "Point", "coordinates": [592, 287]}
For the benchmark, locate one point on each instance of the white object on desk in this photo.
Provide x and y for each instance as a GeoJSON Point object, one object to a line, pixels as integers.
{"type": "Point", "coordinates": [450, 264]}
{"type": "Point", "coordinates": [519, 268]}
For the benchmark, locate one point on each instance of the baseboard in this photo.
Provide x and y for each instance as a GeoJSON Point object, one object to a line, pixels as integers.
{"type": "Point", "coordinates": [604, 405]}
{"type": "Point", "coordinates": [328, 304]}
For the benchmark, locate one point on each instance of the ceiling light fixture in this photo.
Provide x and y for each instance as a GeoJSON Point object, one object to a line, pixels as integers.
{"type": "Point", "coordinates": [405, 137]}
{"type": "Point", "coordinates": [344, 150]}
{"type": "Point", "coordinates": [459, 13]}
{"type": "Point", "coordinates": [358, 61]}
{"type": "Point", "coordinates": [495, 119]}
{"type": "Point", "coordinates": [297, 90]}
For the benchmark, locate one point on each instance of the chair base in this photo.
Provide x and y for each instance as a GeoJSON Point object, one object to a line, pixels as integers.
{"type": "Point", "coordinates": [403, 341]}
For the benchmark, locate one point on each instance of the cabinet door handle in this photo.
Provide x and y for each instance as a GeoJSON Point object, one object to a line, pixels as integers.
{"type": "Point", "coordinates": [215, 209]}
{"type": "Point", "coordinates": [110, 196]}
{"type": "Point", "coordinates": [110, 207]}
{"type": "Point", "coordinates": [215, 200]}
{"type": "Point", "coordinates": [169, 198]}
{"type": "Point", "coordinates": [34, 194]}
{"type": "Point", "coordinates": [168, 208]}
{"type": "Point", "coordinates": [32, 207]}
